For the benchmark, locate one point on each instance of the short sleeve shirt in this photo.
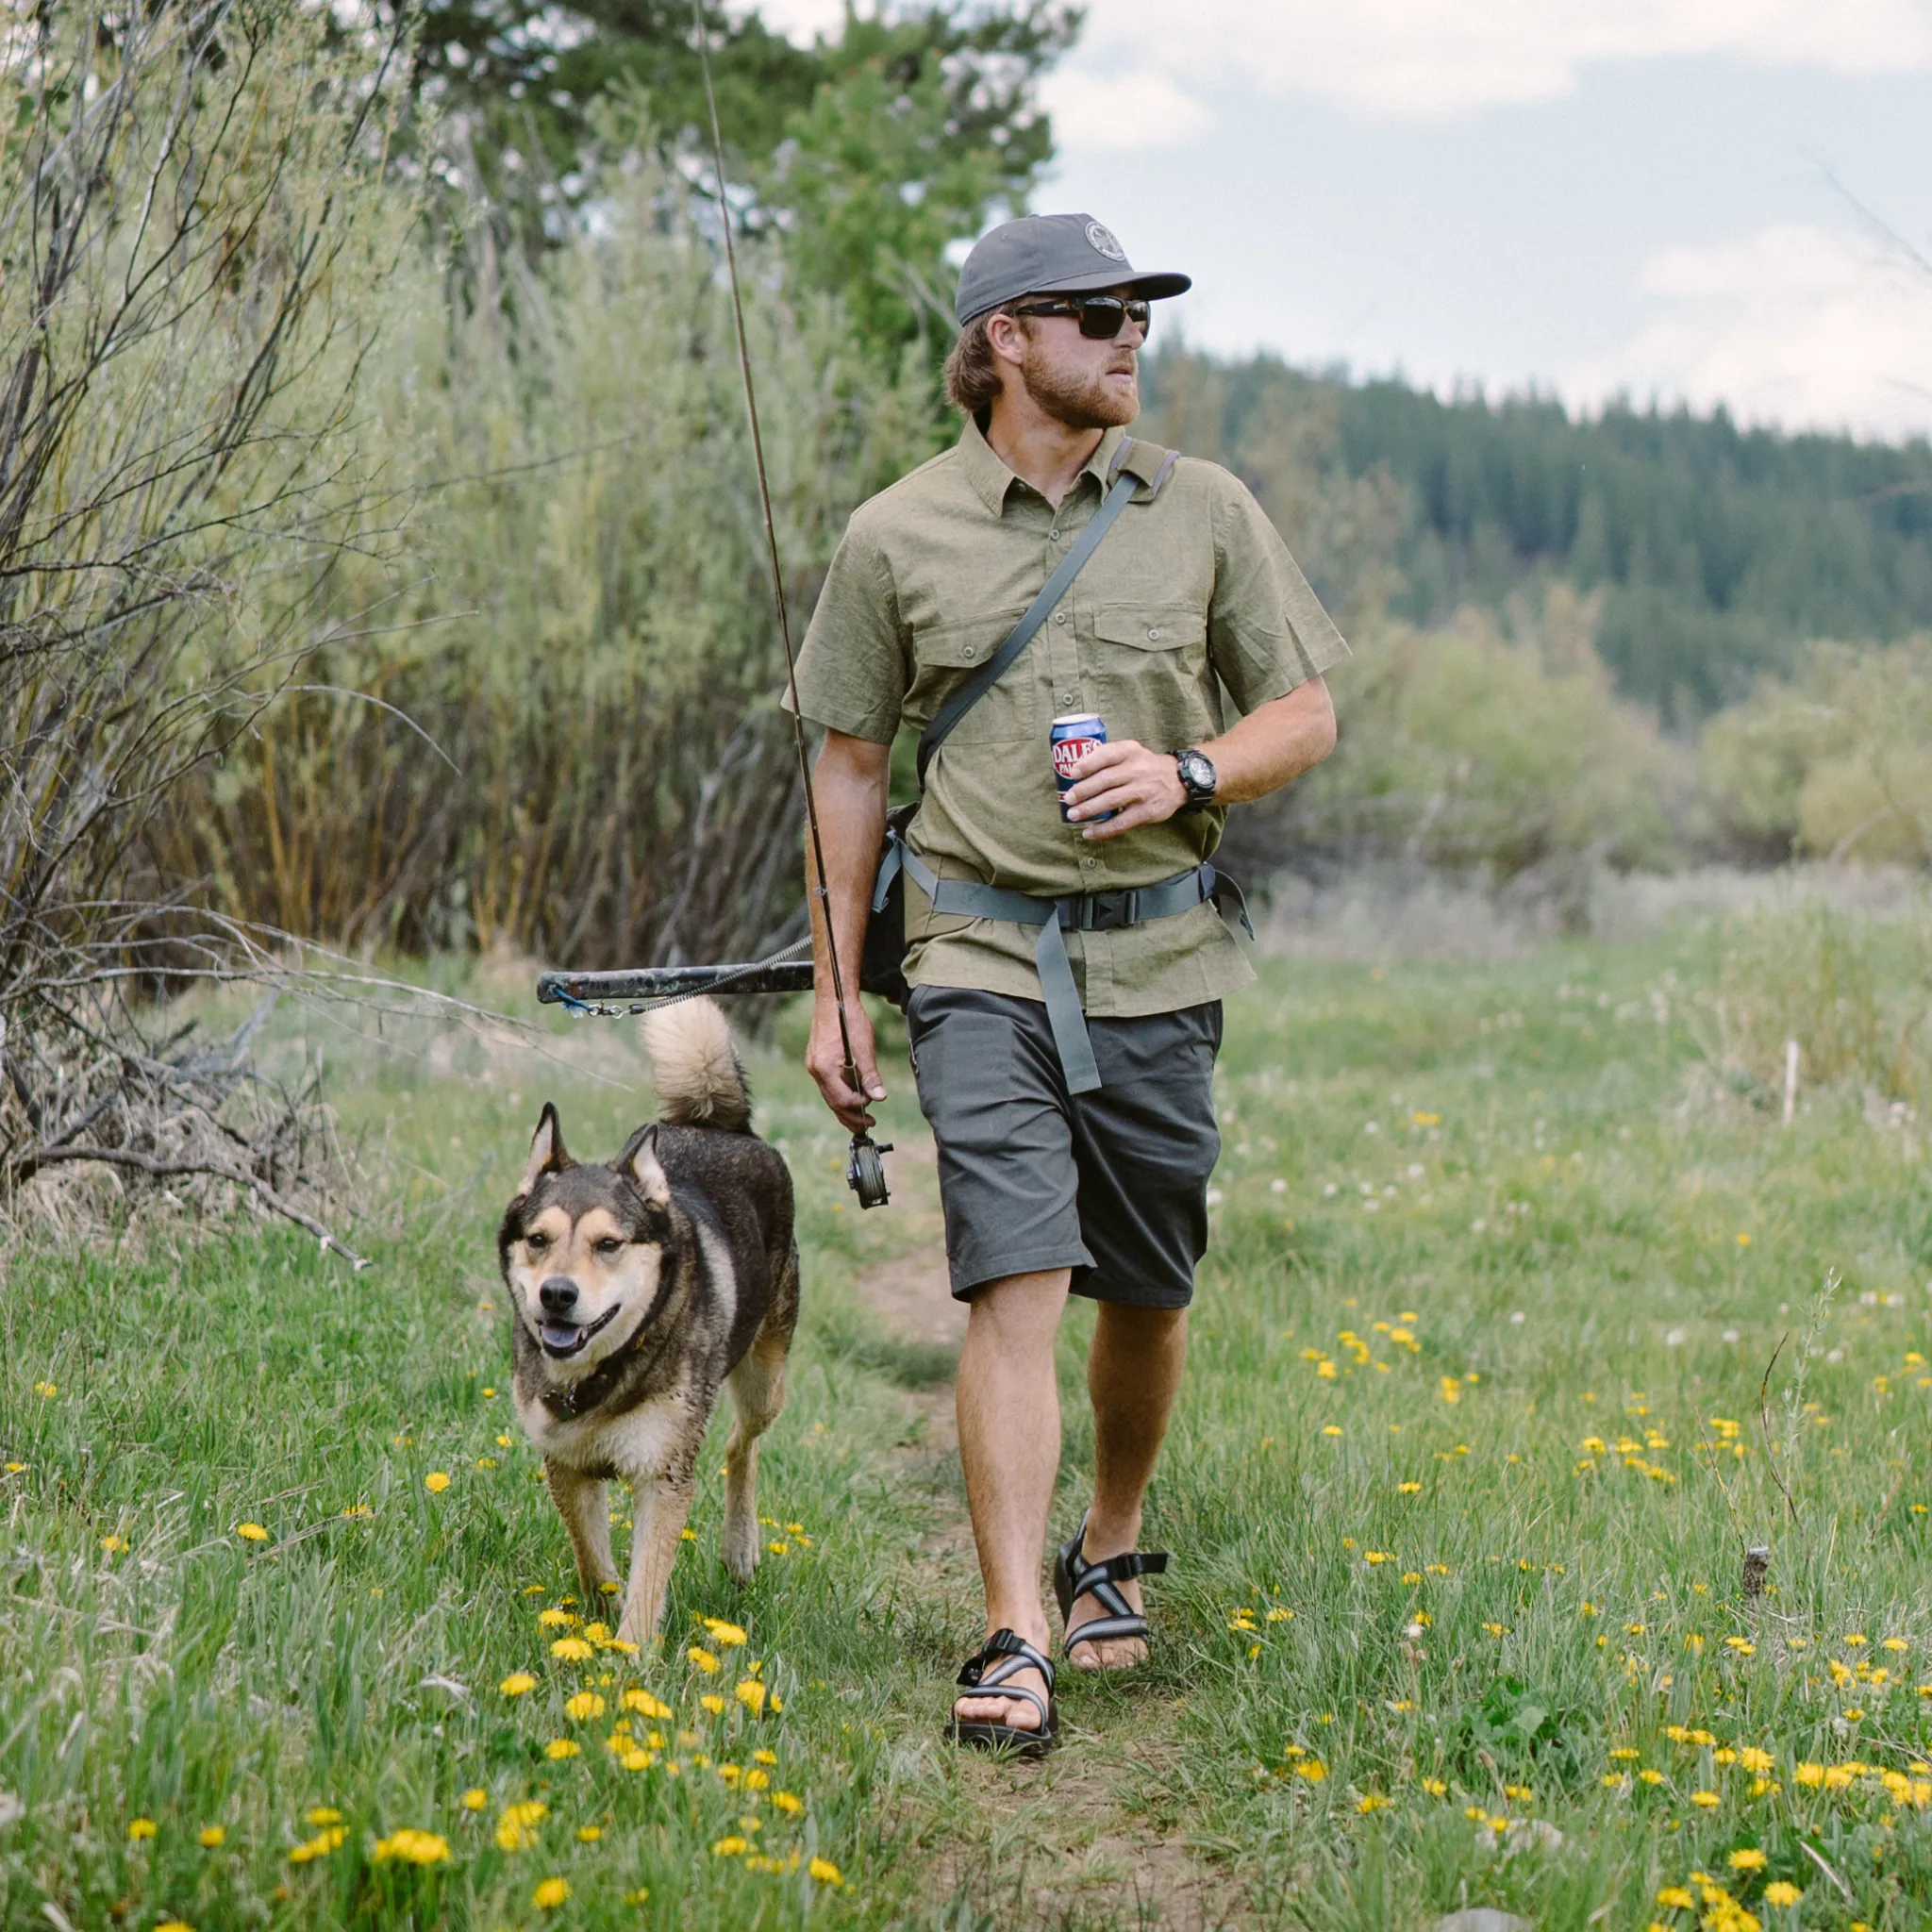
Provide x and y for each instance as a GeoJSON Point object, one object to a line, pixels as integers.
{"type": "Point", "coordinates": [1190, 610]}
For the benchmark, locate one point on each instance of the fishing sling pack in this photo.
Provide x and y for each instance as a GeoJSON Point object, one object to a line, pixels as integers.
{"type": "Point", "coordinates": [882, 966]}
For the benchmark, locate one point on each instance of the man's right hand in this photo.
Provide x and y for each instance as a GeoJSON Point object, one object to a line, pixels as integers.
{"type": "Point", "coordinates": [825, 1060]}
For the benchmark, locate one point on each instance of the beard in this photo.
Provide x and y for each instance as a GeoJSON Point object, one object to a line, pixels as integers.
{"type": "Point", "coordinates": [1085, 401]}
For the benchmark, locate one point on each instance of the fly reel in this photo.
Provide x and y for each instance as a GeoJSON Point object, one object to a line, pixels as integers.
{"type": "Point", "coordinates": [865, 1173]}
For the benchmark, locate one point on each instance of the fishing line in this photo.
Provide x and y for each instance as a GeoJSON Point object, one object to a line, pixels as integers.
{"type": "Point", "coordinates": [863, 1169]}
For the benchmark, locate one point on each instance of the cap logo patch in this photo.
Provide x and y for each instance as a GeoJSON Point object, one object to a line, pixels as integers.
{"type": "Point", "coordinates": [1102, 239]}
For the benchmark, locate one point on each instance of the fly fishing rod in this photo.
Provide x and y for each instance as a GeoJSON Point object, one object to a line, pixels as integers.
{"type": "Point", "coordinates": [587, 992]}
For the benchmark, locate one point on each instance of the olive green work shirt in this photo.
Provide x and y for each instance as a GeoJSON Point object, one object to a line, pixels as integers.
{"type": "Point", "coordinates": [1190, 598]}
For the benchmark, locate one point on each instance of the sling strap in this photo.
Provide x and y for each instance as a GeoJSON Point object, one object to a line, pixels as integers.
{"type": "Point", "coordinates": [1112, 912]}
{"type": "Point", "coordinates": [1121, 488]}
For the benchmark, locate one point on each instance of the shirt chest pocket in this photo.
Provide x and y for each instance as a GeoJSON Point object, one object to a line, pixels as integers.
{"type": "Point", "coordinates": [1150, 675]}
{"type": "Point", "coordinates": [946, 655]}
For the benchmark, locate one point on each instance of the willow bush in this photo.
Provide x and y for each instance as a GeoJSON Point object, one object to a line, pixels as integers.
{"type": "Point", "coordinates": [553, 722]}
{"type": "Point", "coordinates": [197, 225]}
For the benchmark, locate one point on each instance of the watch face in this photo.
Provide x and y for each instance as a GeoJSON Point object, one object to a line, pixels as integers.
{"type": "Point", "coordinates": [1197, 775]}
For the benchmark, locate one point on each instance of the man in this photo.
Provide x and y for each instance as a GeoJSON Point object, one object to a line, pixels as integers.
{"type": "Point", "coordinates": [1057, 1180]}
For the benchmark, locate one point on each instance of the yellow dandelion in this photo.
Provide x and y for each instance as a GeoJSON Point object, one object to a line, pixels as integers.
{"type": "Point", "coordinates": [729, 1847]}
{"type": "Point", "coordinates": [560, 1748]}
{"type": "Point", "coordinates": [113, 1545]}
{"type": "Point", "coordinates": [1371, 1801]}
{"type": "Point", "coordinates": [46, 1389]}
{"type": "Point", "coordinates": [414, 1847]}
{"type": "Point", "coordinates": [641, 1895]}
{"type": "Point", "coordinates": [1312, 1769]}
{"type": "Point", "coordinates": [250, 1532]}
{"type": "Point", "coordinates": [713, 1702]}
{"type": "Point", "coordinates": [517, 1684]}
{"type": "Point", "coordinates": [725, 1636]}
{"type": "Point", "coordinates": [1748, 1860]}
{"type": "Point", "coordinates": [550, 1895]}
{"type": "Point", "coordinates": [138, 1829]}
{"type": "Point", "coordinates": [825, 1871]}
{"type": "Point", "coordinates": [1781, 1891]}
{"type": "Point", "coordinates": [1708, 1801]}
{"type": "Point", "coordinates": [586, 1704]}
{"type": "Point", "coordinates": [701, 1659]}
{"type": "Point", "coordinates": [752, 1695]}
{"type": "Point", "coordinates": [212, 1837]}
{"type": "Point", "coordinates": [1677, 1898]}
{"type": "Point", "coordinates": [476, 1798]}
{"type": "Point", "coordinates": [588, 1834]}
{"type": "Point", "coordinates": [436, 1481]}
{"type": "Point", "coordinates": [173, 1925]}
{"type": "Point", "coordinates": [324, 1814]}
{"type": "Point", "coordinates": [571, 1650]}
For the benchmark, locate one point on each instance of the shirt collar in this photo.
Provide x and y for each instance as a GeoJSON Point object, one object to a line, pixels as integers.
{"type": "Point", "coordinates": [992, 479]}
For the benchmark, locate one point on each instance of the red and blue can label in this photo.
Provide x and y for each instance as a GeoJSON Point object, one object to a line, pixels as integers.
{"type": "Point", "coordinates": [1072, 738]}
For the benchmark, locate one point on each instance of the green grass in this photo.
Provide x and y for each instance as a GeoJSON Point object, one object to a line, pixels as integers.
{"type": "Point", "coordinates": [1448, 1605]}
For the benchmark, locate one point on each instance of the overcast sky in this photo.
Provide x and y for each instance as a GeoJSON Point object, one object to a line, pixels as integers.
{"type": "Point", "coordinates": [1653, 197]}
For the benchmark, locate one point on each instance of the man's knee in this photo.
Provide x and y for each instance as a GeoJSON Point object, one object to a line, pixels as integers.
{"type": "Point", "coordinates": [1129, 1327]}
{"type": "Point", "coordinates": [1020, 1308]}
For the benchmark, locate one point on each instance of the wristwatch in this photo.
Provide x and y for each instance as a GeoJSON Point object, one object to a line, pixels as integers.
{"type": "Point", "coordinates": [1197, 776]}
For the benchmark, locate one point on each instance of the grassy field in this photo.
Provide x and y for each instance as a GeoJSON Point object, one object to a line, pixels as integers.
{"type": "Point", "coordinates": [1459, 1491]}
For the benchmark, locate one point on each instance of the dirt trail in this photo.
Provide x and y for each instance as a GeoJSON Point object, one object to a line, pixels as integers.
{"type": "Point", "coordinates": [1067, 1844]}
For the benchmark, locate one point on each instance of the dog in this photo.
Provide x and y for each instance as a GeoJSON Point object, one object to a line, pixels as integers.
{"type": "Point", "coordinates": [638, 1288]}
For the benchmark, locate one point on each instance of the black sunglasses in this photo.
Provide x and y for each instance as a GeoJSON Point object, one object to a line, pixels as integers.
{"type": "Point", "coordinates": [1101, 317]}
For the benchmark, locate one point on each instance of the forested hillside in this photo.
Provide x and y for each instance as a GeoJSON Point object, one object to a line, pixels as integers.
{"type": "Point", "coordinates": [1720, 551]}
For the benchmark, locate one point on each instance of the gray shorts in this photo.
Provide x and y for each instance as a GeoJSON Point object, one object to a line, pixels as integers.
{"type": "Point", "coordinates": [1112, 1185]}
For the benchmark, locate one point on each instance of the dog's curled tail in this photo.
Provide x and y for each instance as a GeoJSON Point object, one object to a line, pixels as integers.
{"type": "Point", "coordinates": [695, 1068]}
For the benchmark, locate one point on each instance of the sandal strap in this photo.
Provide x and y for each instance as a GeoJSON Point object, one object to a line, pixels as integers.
{"type": "Point", "coordinates": [1100, 1581]}
{"type": "Point", "coordinates": [1098, 1630]}
{"type": "Point", "coordinates": [1117, 1569]}
{"type": "Point", "coordinates": [1018, 1654]}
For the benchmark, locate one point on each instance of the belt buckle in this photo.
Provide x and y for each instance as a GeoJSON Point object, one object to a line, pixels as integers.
{"type": "Point", "coordinates": [1116, 911]}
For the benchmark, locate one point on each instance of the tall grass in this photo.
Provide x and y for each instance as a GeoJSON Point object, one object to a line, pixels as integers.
{"type": "Point", "coordinates": [555, 722]}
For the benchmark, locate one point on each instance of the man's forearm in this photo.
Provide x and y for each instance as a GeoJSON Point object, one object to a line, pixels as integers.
{"type": "Point", "coordinates": [849, 779]}
{"type": "Point", "coordinates": [1274, 744]}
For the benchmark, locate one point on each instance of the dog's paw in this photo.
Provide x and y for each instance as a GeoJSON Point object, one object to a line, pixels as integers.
{"type": "Point", "coordinates": [742, 1552]}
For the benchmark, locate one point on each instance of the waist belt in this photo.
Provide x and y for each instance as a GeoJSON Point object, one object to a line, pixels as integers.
{"type": "Point", "coordinates": [1112, 912]}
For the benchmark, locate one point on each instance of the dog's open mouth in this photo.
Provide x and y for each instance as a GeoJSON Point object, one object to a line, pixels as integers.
{"type": "Point", "coordinates": [563, 1340]}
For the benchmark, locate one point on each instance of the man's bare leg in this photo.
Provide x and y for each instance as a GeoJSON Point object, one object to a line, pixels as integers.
{"type": "Point", "coordinates": [1133, 1373]}
{"type": "Point", "coordinates": [1010, 1446]}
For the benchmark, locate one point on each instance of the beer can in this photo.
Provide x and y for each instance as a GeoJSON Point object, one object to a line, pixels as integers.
{"type": "Point", "coordinates": [1072, 738]}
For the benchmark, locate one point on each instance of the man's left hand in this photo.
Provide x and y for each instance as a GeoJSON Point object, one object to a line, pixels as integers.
{"type": "Point", "coordinates": [1142, 787]}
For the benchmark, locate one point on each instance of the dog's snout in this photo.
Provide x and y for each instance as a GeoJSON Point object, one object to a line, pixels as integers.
{"type": "Point", "coordinates": [559, 1295]}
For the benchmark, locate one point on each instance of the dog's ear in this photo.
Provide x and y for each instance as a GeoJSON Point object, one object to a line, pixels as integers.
{"type": "Point", "coordinates": [639, 1162]}
{"type": "Point", "coordinates": [547, 1155]}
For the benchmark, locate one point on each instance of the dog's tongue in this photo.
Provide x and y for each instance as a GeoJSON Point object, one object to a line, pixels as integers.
{"type": "Point", "coordinates": [561, 1334]}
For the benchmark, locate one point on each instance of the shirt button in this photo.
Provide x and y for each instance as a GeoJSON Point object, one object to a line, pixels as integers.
{"type": "Point", "coordinates": [1053, 536]}
{"type": "Point", "coordinates": [1059, 617]}
{"type": "Point", "coordinates": [1067, 697]}
{"type": "Point", "coordinates": [1152, 637]}
{"type": "Point", "coordinates": [1088, 863]}
{"type": "Point", "coordinates": [971, 651]}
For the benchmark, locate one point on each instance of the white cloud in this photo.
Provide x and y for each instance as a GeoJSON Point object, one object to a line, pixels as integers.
{"type": "Point", "coordinates": [1797, 325]}
{"type": "Point", "coordinates": [1410, 59]}
{"type": "Point", "coordinates": [1095, 113]}
{"type": "Point", "coordinates": [799, 20]}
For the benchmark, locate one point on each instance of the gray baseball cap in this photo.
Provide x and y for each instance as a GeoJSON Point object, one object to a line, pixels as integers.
{"type": "Point", "coordinates": [1061, 254]}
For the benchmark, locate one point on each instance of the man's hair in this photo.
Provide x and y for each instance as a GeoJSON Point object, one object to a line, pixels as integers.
{"type": "Point", "coordinates": [972, 371]}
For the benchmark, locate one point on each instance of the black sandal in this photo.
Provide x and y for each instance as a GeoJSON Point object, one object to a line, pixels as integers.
{"type": "Point", "coordinates": [984, 1673]}
{"type": "Point", "coordinates": [1074, 1577]}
